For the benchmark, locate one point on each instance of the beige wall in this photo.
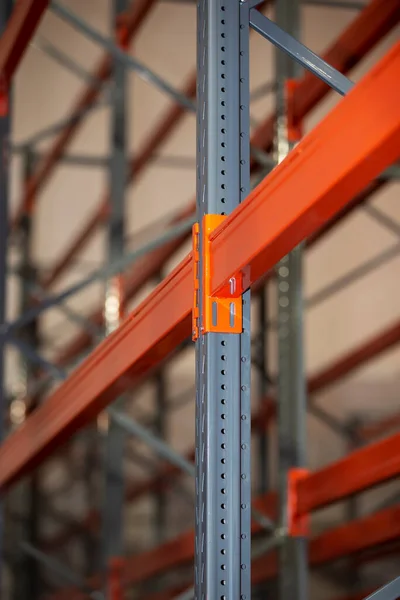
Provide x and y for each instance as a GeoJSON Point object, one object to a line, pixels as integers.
{"type": "Point", "coordinates": [44, 93]}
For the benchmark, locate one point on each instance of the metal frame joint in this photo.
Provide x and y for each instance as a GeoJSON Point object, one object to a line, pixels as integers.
{"type": "Point", "coordinates": [222, 313]}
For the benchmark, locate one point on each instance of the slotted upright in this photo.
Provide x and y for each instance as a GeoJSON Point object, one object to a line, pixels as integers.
{"type": "Point", "coordinates": [222, 567]}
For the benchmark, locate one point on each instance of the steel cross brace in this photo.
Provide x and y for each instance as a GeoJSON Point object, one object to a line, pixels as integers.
{"type": "Point", "coordinates": [300, 53]}
{"type": "Point", "coordinates": [130, 62]}
{"type": "Point", "coordinates": [391, 591]}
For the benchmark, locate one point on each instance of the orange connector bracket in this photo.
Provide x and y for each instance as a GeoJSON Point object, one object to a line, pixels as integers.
{"type": "Point", "coordinates": [298, 524]}
{"type": "Point", "coordinates": [220, 314]}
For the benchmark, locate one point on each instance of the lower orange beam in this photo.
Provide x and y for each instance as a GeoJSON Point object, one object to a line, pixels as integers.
{"type": "Point", "coordinates": [340, 542]}
{"type": "Point", "coordinates": [346, 540]}
{"type": "Point", "coordinates": [315, 181]}
{"type": "Point", "coordinates": [360, 470]}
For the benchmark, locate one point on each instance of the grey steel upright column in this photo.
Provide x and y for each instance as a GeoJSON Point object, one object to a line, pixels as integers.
{"type": "Point", "coordinates": [223, 491]}
{"type": "Point", "coordinates": [27, 493]}
{"type": "Point", "coordinates": [291, 381]}
{"type": "Point", "coordinates": [5, 128]}
{"type": "Point", "coordinates": [114, 492]}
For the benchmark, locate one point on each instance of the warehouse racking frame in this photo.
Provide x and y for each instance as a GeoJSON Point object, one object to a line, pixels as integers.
{"type": "Point", "coordinates": [145, 340]}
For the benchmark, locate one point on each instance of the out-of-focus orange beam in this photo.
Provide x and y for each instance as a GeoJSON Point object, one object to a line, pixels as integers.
{"type": "Point", "coordinates": [316, 383]}
{"type": "Point", "coordinates": [15, 39]}
{"type": "Point", "coordinates": [163, 321]}
{"type": "Point", "coordinates": [133, 20]}
{"type": "Point", "coordinates": [360, 470]}
{"type": "Point", "coordinates": [352, 360]}
{"type": "Point", "coordinates": [346, 540]}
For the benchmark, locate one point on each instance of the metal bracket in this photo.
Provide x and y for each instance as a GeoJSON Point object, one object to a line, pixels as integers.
{"type": "Point", "coordinates": [298, 524]}
{"type": "Point", "coordinates": [220, 314]}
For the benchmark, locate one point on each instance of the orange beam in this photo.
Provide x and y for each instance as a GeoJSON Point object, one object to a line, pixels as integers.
{"type": "Point", "coordinates": [360, 470]}
{"type": "Point", "coordinates": [133, 20]}
{"type": "Point", "coordinates": [261, 231]}
{"type": "Point", "coordinates": [17, 35]}
{"type": "Point", "coordinates": [316, 383]}
{"type": "Point", "coordinates": [306, 189]}
{"type": "Point", "coordinates": [370, 26]}
{"type": "Point", "coordinates": [346, 540]}
{"type": "Point", "coordinates": [342, 541]}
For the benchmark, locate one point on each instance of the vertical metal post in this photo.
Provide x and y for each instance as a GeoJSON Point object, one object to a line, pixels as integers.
{"type": "Point", "coordinates": [223, 362]}
{"type": "Point", "coordinates": [5, 127]}
{"type": "Point", "coordinates": [160, 428]}
{"type": "Point", "coordinates": [353, 509]}
{"type": "Point", "coordinates": [29, 576]}
{"type": "Point", "coordinates": [263, 436]}
{"type": "Point", "coordinates": [263, 387]}
{"type": "Point", "coordinates": [115, 438]}
{"type": "Point", "coordinates": [291, 381]}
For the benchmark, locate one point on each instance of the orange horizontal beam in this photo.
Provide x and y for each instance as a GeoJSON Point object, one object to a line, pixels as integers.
{"type": "Point", "coordinates": [369, 26]}
{"type": "Point", "coordinates": [16, 37]}
{"type": "Point", "coordinates": [291, 207]}
{"type": "Point", "coordinates": [318, 178]}
{"type": "Point", "coordinates": [133, 20]}
{"type": "Point", "coordinates": [260, 420]}
{"type": "Point", "coordinates": [360, 470]}
{"type": "Point", "coordinates": [346, 540]}
{"type": "Point", "coordinates": [143, 340]}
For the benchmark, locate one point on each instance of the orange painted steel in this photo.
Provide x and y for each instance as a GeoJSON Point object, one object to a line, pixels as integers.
{"type": "Point", "coordinates": [360, 470]}
{"type": "Point", "coordinates": [133, 20]}
{"type": "Point", "coordinates": [15, 39]}
{"type": "Point", "coordinates": [346, 540]}
{"type": "Point", "coordinates": [157, 483]}
{"type": "Point", "coordinates": [142, 341]}
{"type": "Point", "coordinates": [317, 179]}
{"type": "Point", "coordinates": [162, 321]}
{"type": "Point", "coordinates": [368, 28]}
{"type": "Point", "coordinates": [348, 363]}
{"type": "Point", "coordinates": [382, 342]}
{"type": "Point", "coordinates": [138, 162]}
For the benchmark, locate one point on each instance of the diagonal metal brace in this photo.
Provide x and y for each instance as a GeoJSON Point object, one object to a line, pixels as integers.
{"type": "Point", "coordinates": [300, 53]}
{"type": "Point", "coordinates": [391, 591]}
